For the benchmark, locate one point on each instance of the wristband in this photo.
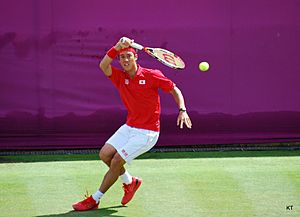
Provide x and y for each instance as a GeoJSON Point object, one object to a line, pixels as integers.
{"type": "Point", "coordinates": [112, 53]}
{"type": "Point", "coordinates": [182, 110]}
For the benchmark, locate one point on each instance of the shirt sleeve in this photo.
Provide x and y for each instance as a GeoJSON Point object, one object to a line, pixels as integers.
{"type": "Point", "coordinates": [163, 82]}
{"type": "Point", "coordinates": [115, 76]}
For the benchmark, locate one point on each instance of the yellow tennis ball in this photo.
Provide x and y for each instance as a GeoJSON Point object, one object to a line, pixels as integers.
{"type": "Point", "coordinates": [203, 66]}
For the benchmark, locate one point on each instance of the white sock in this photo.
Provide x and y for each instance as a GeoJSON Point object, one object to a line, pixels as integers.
{"type": "Point", "coordinates": [97, 196]}
{"type": "Point", "coordinates": [126, 177]}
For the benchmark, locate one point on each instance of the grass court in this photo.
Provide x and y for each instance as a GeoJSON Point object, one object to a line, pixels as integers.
{"type": "Point", "coordinates": [185, 184]}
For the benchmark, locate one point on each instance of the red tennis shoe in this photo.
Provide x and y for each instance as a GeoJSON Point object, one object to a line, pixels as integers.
{"type": "Point", "coordinates": [87, 204]}
{"type": "Point", "coordinates": [130, 189]}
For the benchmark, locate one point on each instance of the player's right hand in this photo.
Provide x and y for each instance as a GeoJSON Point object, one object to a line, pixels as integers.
{"type": "Point", "coordinates": [125, 42]}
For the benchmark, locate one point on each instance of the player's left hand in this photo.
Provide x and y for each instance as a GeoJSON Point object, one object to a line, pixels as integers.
{"type": "Point", "coordinates": [183, 118]}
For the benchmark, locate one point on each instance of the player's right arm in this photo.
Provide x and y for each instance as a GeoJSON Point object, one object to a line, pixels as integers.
{"type": "Point", "coordinates": [105, 63]}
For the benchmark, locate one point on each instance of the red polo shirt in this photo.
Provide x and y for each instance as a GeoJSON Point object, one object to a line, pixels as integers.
{"type": "Point", "coordinates": [140, 95]}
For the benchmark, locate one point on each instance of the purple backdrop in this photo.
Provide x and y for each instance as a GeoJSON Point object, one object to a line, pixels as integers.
{"type": "Point", "coordinates": [52, 94]}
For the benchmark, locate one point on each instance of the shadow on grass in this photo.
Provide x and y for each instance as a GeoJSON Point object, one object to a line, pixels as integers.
{"type": "Point", "coordinates": [150, 155]}
{"type": "Point", "coordinates": [107, 211]}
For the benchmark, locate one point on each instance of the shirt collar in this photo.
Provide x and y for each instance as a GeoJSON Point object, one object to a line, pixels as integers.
{"type": "Point", "coordinates": [138, 72]}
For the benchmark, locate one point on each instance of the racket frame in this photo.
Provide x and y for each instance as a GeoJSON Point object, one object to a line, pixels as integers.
{"type": "Point", "coordinates": [164, 60]}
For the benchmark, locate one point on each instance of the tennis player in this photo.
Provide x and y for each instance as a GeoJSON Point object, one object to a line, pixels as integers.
{"type": "Point", "coordinates": [138, 88]}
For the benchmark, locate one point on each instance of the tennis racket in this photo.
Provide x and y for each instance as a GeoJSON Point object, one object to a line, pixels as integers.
{"type": "Point", "coordinates": [164, 56]}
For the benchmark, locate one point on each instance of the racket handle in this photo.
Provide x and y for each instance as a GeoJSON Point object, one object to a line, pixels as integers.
{"type": "Point", "coordinates": [137, 46]}
{"type": "Point", "coordinates": [134, 45]}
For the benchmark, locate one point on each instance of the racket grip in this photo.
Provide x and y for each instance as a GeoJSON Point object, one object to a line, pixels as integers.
{"type": "Point", "coordinates": [137, 46]}
{"type": "Point", "coordinates": [133, 44]}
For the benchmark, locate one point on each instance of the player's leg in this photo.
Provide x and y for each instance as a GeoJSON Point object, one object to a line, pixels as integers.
{"type": "Point", "coordinates": [116, 166]}
{"type": "Point", "coordinates": [136, 142]}
{"type": "Point", "coordinates": [107, 153]}
{"type": "Point", "coordinates": [92, 202]}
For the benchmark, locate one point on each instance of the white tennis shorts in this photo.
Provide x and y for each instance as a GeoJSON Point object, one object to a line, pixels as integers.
{"type": "Point", "coordinates": [131, 142]}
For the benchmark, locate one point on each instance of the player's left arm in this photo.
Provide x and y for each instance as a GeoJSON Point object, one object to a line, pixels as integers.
{"type": "Point", "coordinates": [183, 117]}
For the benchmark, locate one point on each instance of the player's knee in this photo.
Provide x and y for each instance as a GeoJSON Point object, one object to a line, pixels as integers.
{"type": "Point", "coordinates": [100, 154]}
{"type": "Point", "coordinates": [117, 161]}
{"type": "Point", "coordinates": [104, 156]}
